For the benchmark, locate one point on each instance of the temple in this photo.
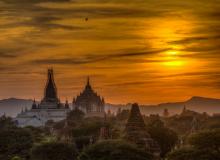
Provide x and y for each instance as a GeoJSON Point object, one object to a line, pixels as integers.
{"type": "Point", "coordinates": [136, 132]}
{"type": "Point", "coordinates": [50, 107]}
{"type": "Point", "coordinates": [90, 102]}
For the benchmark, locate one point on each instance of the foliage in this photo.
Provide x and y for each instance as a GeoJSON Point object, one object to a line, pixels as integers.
{"type": "Point", "coordinates": [82, 142]}
{"type": "Point", "coordinates": [6, 123]}
{"type": "Point", "coordinates": [75, 116]}
{"type": "Point", "coordinates": [15, 142]}
{"type": "Point", "coordinates": [205, 146]}
{"type": "Point", "coordinates": [183, 154]}
{"type": "Point", "coordinates": [165, 137]}
{"type": "Point", "coordinates": [54, 151]}
{"type": "Point", "coordinates": [38, 134]}
{"type": "Point", "coordinates": [187, 153]}
{"type": "Point", "coordinates": [114, 150]}
{"type": "Point", "coordinates": [123, 115]}
{"type": "Point", "coordinates": [212, 123]}
{"type": "Point", "coordinates": [16, 158]}
{"type": "Point", "coordinates": [209, 139]}
{"type": "Point", "coordinates": [89, 127]}
{"type": "Point", "coordinates": [180, 124]}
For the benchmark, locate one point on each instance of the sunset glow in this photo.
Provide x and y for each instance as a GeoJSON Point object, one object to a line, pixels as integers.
{"type": "Point", "coordinates": [133, 51]}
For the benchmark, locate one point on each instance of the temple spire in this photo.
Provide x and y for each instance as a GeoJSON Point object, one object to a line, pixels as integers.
{"type": "Point", "coordinates": [34, 105]}
{"type": "Point", "coordinates": [66, 104]}
{"type": "Point", "coordinates": [50, 89]}
{"type": "Point", "coordinates": [88, 86]}
{"type": "Point", "coordinates": [88, 81]}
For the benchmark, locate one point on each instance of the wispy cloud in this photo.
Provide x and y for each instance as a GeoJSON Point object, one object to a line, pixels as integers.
{"type": "Point", "coordinates": [96, 58]}
{"type": "Point", "coordinates": [129, 43]}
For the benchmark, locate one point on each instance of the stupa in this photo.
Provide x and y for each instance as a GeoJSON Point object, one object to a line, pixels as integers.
{"type": "Point", "coordinates": [136, 132]}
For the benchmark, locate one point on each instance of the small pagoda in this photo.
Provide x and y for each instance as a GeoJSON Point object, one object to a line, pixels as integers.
{"type": "Point", "coordinates": [136, 132]}
{"type": "Point", "coordinates": [105, 130]}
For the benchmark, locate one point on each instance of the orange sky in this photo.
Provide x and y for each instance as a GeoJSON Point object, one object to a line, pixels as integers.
{"type": "Point", "coordinates": [142, 51]}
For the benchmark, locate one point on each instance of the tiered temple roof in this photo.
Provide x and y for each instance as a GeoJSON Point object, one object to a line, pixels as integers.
{"type": "Point", "coordinates": [89, 100]}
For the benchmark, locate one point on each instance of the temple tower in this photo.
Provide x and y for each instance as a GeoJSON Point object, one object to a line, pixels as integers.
{"type": "Point", "coordinates": [136, 132]}
{"type": "Point", "coordinates": [166, 113]}
{"type": "Point", "coordinates": [105, 130]}
{"type": "Point", "coordinates": [194, 125]}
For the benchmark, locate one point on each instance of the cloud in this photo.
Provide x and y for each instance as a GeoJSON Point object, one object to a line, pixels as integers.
{"type": "Point", "coordinates": [23, 2]}
{"type": "Point", "coordinates": [198, 39]}
{"type": "Point", "coordinates": [10, 52]}
{"type": "Point", "coordinates": [96, 58]}
{"type": "Point", "coordinates": [6, 55]}
{"type": "Point", "coordinates": [47, 22]}
{"type": "Point", "coordinates": [133, 83]}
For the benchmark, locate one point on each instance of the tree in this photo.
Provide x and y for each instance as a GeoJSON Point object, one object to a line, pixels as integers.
{"type": "Point", "coordinates": [6, 123]}
{"type": "Point", "coordinates": [205, 145]}
{"type": "Point", "coordinates": [89, 127]}
{"type": "Point", "coordinates": [54, 151]}
{"type": "Point", "coordinates": [123, 115]}
{"type": "Point", "coordinates": [82, 141]}
{"type": "Point", "coordinates": [16, 158]}
{"type": "Point", "coordinates": [75, 116]}
{"type": "Point", "coordinates": [183, 154]}
{"type": "Point", "coordinates": [15, 142]}
{"type": "Point", "coordinates": [37, 133]}
{"type": "Point", "coordinates": [114, 150]}
{"type": "Point", "coordinates": [209, 139]}
{"type": "Point", "coordinates": [191, 153]}
{"type": "Point", "coordinates": [165, 137]}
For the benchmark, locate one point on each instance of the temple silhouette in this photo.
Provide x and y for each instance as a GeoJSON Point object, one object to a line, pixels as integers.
{"type": "Point", "coordinates": [90, 102]}
{"type": "Point", "coordinates": [50, 107]}
{"type": "Point", "coordinates": [136, 132]}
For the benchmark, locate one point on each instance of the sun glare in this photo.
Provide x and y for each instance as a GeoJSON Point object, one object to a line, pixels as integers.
{"type": "Point", "coordinates": [174, 63]}
{"type": "Point", "coordinates": [172, 52]}
{"type": "Point", "coordinates": [166, 35]}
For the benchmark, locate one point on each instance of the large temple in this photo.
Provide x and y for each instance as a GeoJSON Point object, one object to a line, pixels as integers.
{"type": "Point", "coordinates": [50, 107]}
{"type": "Point", "coordinates": [90, 102]}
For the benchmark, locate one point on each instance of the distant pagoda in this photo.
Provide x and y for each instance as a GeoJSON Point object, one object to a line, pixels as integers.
{"type": "Point", "coordinates": [194, 125]}
{"type": "Point", "coordinates": [166, 113]}
{"type": "Point", "coordinates": [50, 107]}
{"type": "Point", "coordinates": [90, 102]}
{"type": "Point", "coordinates": [136, 132]}
{"type": "Point", "coordinates": [105, 130]}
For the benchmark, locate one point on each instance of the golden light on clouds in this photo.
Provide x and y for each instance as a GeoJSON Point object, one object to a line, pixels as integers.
{"type": "Point", "coordinates": [163, 32]}
{"type": "Point", "coordinates": [134, 51]}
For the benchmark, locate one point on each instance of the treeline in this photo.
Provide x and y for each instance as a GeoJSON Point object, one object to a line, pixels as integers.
{"type": "Point", "coordinates": [188, 136]}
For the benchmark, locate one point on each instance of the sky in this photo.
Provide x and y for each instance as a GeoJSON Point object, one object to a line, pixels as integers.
{"type": "Point", "coordinates": [145, 51]}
